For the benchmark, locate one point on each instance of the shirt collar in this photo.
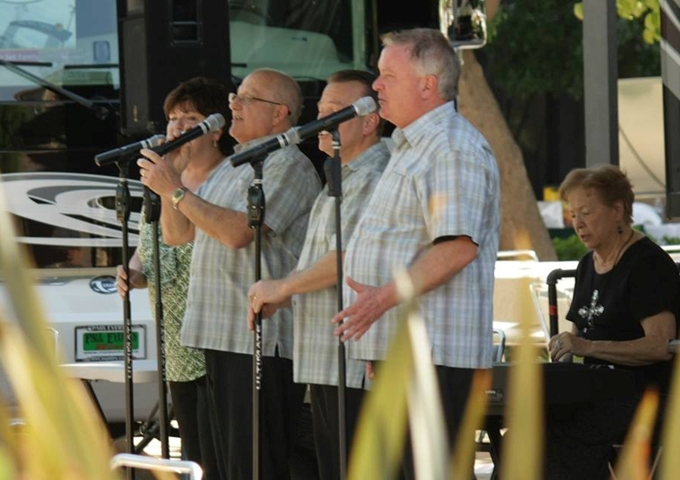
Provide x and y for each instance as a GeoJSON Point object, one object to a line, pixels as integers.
{"type": "Point", "coordinates": [239, 147]}
{"type": "Point", "coordinates": [420, 126]}
{"type": "Point", "coordinates": [364, 157]}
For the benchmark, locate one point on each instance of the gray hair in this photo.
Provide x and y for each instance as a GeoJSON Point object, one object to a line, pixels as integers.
{"type": "Point", "coordinates": [432, 54]}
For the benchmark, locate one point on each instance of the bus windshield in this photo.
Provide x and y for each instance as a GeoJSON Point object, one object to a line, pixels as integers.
{"type": "Point", "coordinates": [306, 39]}
{"type": "Point", "coordinates": [64, 205]}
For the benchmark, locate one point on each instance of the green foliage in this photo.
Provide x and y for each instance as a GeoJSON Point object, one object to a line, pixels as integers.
{"type": "Point", "coordinates": [645, 10]}
{"type": "Point", "coordinates": [636, 58]}
{"type": "Point", "coordinates": [569, 248]}
{"type": "Point", "coordinates": [536, 46]}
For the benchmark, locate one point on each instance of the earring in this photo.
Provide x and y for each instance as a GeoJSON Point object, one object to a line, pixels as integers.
{"type": "Point", "coordinates": [214, 143]}
{"type": "Point", "coordinates": [619, 229]}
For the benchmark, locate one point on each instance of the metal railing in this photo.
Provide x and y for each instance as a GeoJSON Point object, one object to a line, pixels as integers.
{"type": "Point", "coordinates": [143, 462]}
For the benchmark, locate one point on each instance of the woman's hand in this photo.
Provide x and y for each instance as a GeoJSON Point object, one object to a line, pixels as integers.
{"type": "Point", "coordinates": [137, 280]}
{"type": "Point", "coordinates": [563, 346]}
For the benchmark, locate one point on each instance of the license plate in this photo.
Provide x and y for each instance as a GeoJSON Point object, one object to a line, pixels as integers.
{"type": "Point", "coordinates": [104, 343]}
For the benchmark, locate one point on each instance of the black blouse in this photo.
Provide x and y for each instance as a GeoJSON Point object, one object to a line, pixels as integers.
{"type": "Point", "coordinates": [610, 306]}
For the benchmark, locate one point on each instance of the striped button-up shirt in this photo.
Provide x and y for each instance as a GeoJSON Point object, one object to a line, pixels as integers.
{"type": "Point", "coordinates": [315, 357]}
{"type": "Point", "coordinates": [217, 304]}
{"type": "Point", "coordinates": [442, 180]}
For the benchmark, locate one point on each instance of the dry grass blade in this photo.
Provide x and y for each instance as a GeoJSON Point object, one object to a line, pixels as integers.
{"type": "Point", "coordinates": [426, 418]}
{"type": "Point", "coordinates": [670, 439]}
{"type": "Point", "coordinates": [522, 455]}
{"type": "Point", "coordinates": [378, 444]}
{"type": "Point", "coordinates": [406, 373]}
{"type": "Point", "coordinates": [428, 438]}
{"type": "Point", "coordinates": [62, 437]}
{"type": "Point", "coordinates": [462, 461]}
{"type": "Point", "coordinates": [633, 463]}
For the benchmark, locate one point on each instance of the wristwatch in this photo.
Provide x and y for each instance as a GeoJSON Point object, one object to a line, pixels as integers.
{"type": "Point", "coordinates": [178, 195]}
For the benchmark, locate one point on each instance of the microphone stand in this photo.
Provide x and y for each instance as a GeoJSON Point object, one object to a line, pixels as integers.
{"type": "Point", "coordinates": [333, 171]}
{"type": "Point", "coordinates": [123, 215]}
{"type": "Point", "coordinates": [152, 210]}
{"type": "Point", "coordinates": [256, 211]}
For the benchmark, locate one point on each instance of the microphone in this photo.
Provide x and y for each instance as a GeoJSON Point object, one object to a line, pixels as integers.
{"type": "Point", "coordinates": [295, 135]}
{"type": "Point", "coordinates": [210, 124]}
{"type": "Point", "coordinates": [112, 155]}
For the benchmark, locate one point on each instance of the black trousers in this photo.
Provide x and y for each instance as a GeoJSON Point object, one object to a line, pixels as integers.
{"type": "Point", "coordinates": [579, 438]}
{"type": "Point", "coordinates": [326, 428]}
{"type": "Point", "coordinates": [190, 407]}
{"type": "Point", "coordinates": [230, 387]}
{"type": "Point", "coordinates": [454, 390]}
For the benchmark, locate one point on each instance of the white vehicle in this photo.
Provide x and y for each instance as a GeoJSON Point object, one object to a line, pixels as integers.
{"type": "Point", "coordinates": [69, 219]}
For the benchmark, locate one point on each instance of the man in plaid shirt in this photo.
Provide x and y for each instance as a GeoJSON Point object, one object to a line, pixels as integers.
{"type": "Point", "coordinates": [312, 285]}
{"type": "Point", "coordinates": [434, 212]}
{"type": "Point", "coordinates": [215, 217]}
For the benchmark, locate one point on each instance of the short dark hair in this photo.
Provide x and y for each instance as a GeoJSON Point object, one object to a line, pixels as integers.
{"type": "Point", "coordinates": [609, 182]}
{"type": "Point", "coordinates": [207, 96]}
{"type": "Point", "coordinates": [366, 79]}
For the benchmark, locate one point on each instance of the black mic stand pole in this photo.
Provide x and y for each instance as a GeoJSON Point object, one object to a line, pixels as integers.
{"type": "Point", "coordinates": [123, 215]}
{"type": "Point", "coordinates": [152, 209]}
{"type": "Point", "coordinates": [256, 210]}
{"type": "Point", "coordinates": [333, 170]}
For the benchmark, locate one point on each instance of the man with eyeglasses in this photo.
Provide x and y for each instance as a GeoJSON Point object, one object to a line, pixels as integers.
{"type": "Point", "coordinates": [268, 103]}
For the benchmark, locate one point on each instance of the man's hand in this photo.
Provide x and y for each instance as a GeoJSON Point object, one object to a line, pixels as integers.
{"type": "Point", "coordinates": [369, 306]}
{"type": "Point", "coordinates": [158, 173]}
{"type": "Point", "coordinates": [265, 292]}
{"type": "Point", "coordinates": [370, 372]}
{"type": "Point", "coordinates": [267, 311]}
{"type": "Point", "coordinates": [266, 296]}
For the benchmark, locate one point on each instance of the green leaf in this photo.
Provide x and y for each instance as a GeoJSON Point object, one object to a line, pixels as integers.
{"type": "Point", "coordinates": [648, 36]}
{"type": "Point", "coordinates": [578, 10]}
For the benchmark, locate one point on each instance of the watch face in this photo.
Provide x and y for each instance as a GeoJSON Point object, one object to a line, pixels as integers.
{"type": "Point", "coordinates": [177, 195]}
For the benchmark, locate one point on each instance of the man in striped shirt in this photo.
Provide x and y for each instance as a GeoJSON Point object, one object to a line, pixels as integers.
{"type": "Point", "coordinates": [215, 217]}
{"type": "Point", "coordinates": [312, 285]}
{"type": "Point", "coordinates": [434, 212]}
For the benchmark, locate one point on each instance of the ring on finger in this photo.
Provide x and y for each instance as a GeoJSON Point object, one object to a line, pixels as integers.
{"type": "Point", "coordinates": [559, 344]}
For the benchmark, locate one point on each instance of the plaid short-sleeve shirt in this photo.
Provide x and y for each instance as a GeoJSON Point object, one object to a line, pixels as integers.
{"type": "Point", "coordinates": [217, 303]}
{"type": "Point", "coordinates": [442, 180]}
{"type": "Point", "coordinates": [315, 348]}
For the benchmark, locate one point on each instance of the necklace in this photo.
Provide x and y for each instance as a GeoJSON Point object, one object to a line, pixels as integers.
{"type": "Point", "coordinates": [607, 266]}
{"type": "Point", "coordinates": [618, 255]}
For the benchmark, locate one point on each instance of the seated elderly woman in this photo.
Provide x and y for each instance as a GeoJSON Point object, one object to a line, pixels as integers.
{"type": "Point", "coordinates": [625, 309]}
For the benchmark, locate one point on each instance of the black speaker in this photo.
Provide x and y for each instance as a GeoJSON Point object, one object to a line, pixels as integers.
{"type": "Point", "coordinates": [161, 44]}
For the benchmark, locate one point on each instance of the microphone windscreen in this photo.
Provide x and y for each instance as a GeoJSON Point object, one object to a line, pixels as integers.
{"type": "Point", "coordinates": [215, 122]}
{"type": "Point", "coordinates": [154, 141]}
{"type": "Point", "coordinates": [364, 106]}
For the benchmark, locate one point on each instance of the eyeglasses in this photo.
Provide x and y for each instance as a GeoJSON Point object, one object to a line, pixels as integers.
{"type": "Point", "coordinates": [247, 99]}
